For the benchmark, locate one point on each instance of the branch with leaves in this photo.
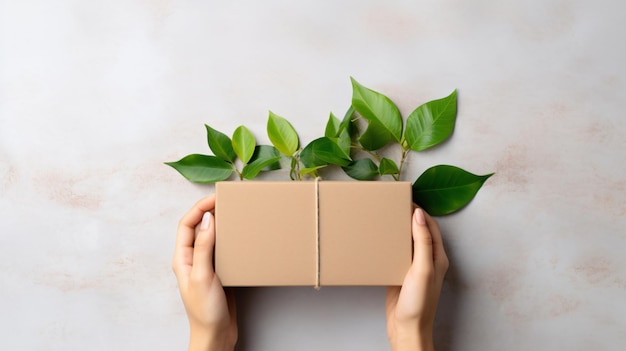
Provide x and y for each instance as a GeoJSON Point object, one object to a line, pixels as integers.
{"type": "Point", "coordinates": [440, 190]}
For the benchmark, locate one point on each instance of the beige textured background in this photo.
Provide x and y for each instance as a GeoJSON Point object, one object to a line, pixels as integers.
{"type": "Point", "coordinates": [94, 95]}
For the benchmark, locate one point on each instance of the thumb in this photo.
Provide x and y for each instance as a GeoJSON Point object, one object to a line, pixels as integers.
{"type": "Point", "coordinates": [203, 248]}
{"type": "Point", "coordinates": [422, 241]}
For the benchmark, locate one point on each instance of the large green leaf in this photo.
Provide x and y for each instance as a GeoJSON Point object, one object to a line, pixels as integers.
{"type": "Point", "coordinates": [362, 169]}
{"type": "Point", "coordinates": [338, 135]}
{"type": "Point", "coordinates": [243, 143]}
{"type": "Point", "coordinates": [445, 189]}
{"type": "Point", "coordinates": [431, 123]}
{"type": "Point", "coordinates": [282, 134]}
{"type": "Point", "coordinates": [202, 168]}
{"type": "Point", "coordinates": [376, 107]}
{"type": "Point", "coordinates": [264, 157]}
{"type": "Point", "coordinates": [323, 151]}
{"type": "Point", "coordinates": [220, 144]}
{"type": "Point", "coordinates": [374, 137]}
{"type": "Point", "coordinates": [387, 166]}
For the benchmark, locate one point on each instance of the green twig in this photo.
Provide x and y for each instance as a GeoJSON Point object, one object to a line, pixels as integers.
{"type": "Point", "coordinates": [372, 153]}
{"type": "Point", "coordinates": [238, 173]}
{"type": "Point", "coordinates": [405, 153]}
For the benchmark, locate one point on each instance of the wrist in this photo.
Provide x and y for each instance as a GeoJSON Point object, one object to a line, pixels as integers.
{"type": "Point", "coordinates": [207, 340]}
{"type": "Point", "coordinates": [413, 339]}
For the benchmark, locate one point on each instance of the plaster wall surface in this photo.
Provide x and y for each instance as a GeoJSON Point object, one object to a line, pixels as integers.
{"type": "Point", "coordinates": [96, 95]}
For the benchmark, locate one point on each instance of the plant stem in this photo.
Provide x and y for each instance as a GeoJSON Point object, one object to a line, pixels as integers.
{"type": "Point", "coordinates": [294, 174]}
{"type": "Point", "coordinates": [372, 153]}
{"type": "Point", "coordinates": [405, 153]}
{"type": "Point", "coordinates": [298, 175]}
{"type": "Point", "coordinates": [238, 173]}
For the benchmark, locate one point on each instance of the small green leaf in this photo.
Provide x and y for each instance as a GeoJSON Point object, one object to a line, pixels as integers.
{"type": "Point", "coordinates": [444, 189]}
{"type": "Point", "coordinates": [376, 107]}
{"type": "Point", "coordinates": [387, 166]}
{"type": "Point", "coordinates": [338, 135]}
{"type": "Point", "coordinates": [332, 126]}
{"type": "Point", "coordinates": [347, 119]}
{"type": "Point", "coordinates": [431, 123]}
{"type": "Point", "coordinates": [344, 142]}
{"type": "Point", "coordinates": [220, 144]}
{"type": "Point", "coordinates": [323, 151]}
{"type": "Point", "coordinates": [202, 168]}
{"type": "Point", "coordinates": [267, 151]}
{"type": "Point", "coordinates": [282, 134]}
{"type": "Point", "coordinates": [312, 171]}
{"type": "Point", "coordinates": [264, 156]}
{"type": "Point", "coordinates": [362, 169]}
{"type": "Point", "coordinates": [353, 129]}
{"type": "Point", "coordinates": [243, 143]}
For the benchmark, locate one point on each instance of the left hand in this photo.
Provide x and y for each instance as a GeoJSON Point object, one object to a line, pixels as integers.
{"type": "Point", "coordinates": [211, 311]}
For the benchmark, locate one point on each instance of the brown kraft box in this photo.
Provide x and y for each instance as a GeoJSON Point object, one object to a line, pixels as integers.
{"type": "Point", "coordinates": [326, 233]}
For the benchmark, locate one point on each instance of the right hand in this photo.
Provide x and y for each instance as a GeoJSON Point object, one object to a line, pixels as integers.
{"type": "Point", "coordinates": [411, 308]}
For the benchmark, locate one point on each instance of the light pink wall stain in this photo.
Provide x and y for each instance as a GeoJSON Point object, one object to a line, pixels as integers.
{"type": "Point", "coordinates": [9, 178]}
{"type": "Point", "coordinates": [612, 199]}
{"type": "Point", "coordinates": [159, 9]}
{"type": "Point", "coordinates": [599, 271]}
{"type": "Point", "coordinates": [118, 274]}
{"type": "Point", "coordinates": [597, 132]}
{"type": "Point", "coordinates": [559, 304]}
{"type": "Point", "coordinates": [66, 190]}
{"type": "Point", "coordinates": [503, 282]}
{"type": "Point", "coordinates": [513, 169]}
{"type": "Point", "coordinates": [393, 25]}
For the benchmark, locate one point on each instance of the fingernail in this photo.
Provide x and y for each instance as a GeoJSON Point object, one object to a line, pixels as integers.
{"type": "Point", "coordinates": [206, 220]}
{"type": "Point", "coordinates": [419, 216]}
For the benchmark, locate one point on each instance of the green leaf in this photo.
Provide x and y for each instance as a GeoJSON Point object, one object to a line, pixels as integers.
{"type": "Point", "coordinates": [362, 169]}
{"type": "Point", "coordinates": [264, 156]}
{"type": "Point", "coordinates": [312, 171]}
{"type": "Point", "coordinates": [202, 168]}
{"type": "Point", "coordinates": [378, 108]}
{"type": "Point", "coordinates": [332, 126]}
{"type": "Point", "coordinates": [338, 135]}
{"type": "Point", "coordinates": [387, 166]}
{"type": "Point", "coordinates": [267, 151]}
{"type": "Point", "coordinates": [323, 151]}
{"type": "Point", "coordinates": [282, 134]}
{"type": "Point", "coordinates": [444, 189]}
{"type": "Point", "coordinates": [220, 144]}
{"type": "Point", "coordinates": [431, 123]}
{"type": "Point", "coordinates": [243, 143]}
{"type": "Point", "coordinates": [374, 137]}
{"type": "Point", "coordinates": [347, 119]}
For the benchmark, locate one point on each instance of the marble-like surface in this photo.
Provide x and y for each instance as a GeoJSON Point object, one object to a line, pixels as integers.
{"type": "Point", "coordinates": [95, 95]}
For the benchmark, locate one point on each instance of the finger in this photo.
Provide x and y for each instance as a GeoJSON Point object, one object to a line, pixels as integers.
{"type": "Point", "coordinates": [439, 253]}
{"type": "Point", "coordinates": [185, 236]}
{"type": "Point", "coordinates": [422, 241]}
{"type": "Point", "coordinates": [192, 218]}
{"type": "Point", "coordinates": [203, 249]}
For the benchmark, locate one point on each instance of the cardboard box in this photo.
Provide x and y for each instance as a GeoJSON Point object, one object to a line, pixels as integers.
{"type": "Point", "coordinates": [313, 233]}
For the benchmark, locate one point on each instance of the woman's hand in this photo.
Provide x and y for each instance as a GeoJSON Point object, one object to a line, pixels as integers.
{"type": "Point", "coordinates": [411, 308]}
{"type": "Point", "coordinates": [211, 311]}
